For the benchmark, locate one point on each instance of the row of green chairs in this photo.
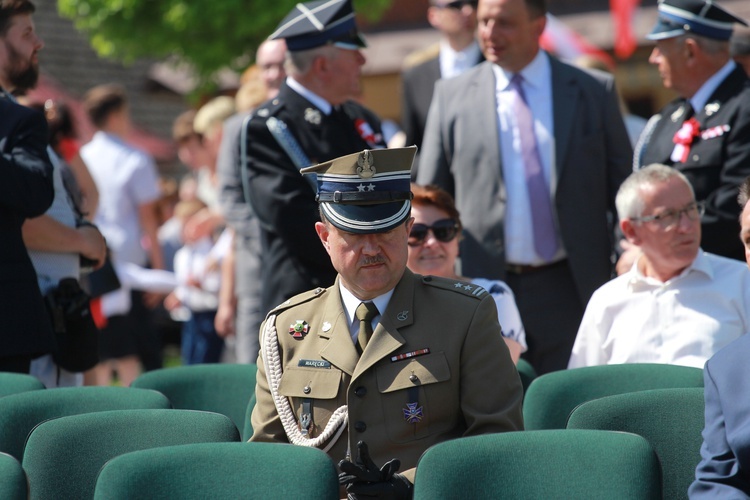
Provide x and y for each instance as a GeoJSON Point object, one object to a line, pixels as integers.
{"type": "Point", "coordinates": [661, 403]}
{"type": "Point", "coordinates": [549, 401]}
{"type": "Point", "coordinates": [228, 389]}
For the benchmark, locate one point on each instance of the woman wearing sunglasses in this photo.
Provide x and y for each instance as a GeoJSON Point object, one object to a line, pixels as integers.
{"type": "Point", "coordinates": [433, 250]}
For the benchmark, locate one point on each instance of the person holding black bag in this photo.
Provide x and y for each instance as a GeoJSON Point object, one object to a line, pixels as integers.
{"type": "Point", "coordinates": [54, 241]}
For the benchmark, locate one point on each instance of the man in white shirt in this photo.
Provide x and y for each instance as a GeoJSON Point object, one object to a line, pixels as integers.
{"type": "Point", "coordinates": [677, 304]}
{"type": "Point", "coordinates": [127, 181]}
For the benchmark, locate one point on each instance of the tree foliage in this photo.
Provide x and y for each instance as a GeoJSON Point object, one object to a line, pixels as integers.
{"type": "Point", "coordinates": [208, 34]}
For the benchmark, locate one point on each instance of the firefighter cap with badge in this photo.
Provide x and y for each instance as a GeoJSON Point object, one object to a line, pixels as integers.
{"type": "Point", "coordinates": [701, 17]}
{"type": "Point", "coordinates": [366, 192]}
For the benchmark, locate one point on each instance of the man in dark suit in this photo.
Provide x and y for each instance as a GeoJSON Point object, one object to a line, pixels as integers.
{"type": "Point", "coordinates": [724, 469]}
{"type": "Point", "coordinates": [525, 115]}
{"type": "Point", "coordinates": [240, 295]}
{"type": "Point", "coordinates": [705, 133]}
{"type": "Point", "coordinates": [458, 51]}
{"type": "Point", "coordinates": [313, 119]}
{"type": "Point", "coordinates": [25, 191]}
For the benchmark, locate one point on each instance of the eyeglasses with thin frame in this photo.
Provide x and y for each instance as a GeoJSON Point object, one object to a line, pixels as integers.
{"type": "Point", "coordinates": [444, 230]}
{"type": "Point", "coordinates": [458, 4]}
{"type": "Point", "coordinates": [671, 218]}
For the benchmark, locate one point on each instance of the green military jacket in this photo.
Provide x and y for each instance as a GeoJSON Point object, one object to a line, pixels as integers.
{"type": "Point", "coordinates": [436, 368]}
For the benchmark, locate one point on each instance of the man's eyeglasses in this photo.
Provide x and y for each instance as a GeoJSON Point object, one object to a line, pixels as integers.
{"type": "Point", "coordinates": [671, 218]}
{"type": "Point", "coordinates": [445, 230]}
{"type": "Point", "coordinates": [458, 4]}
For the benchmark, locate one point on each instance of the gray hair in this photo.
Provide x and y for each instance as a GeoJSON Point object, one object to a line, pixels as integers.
{"type": "Point", "coordinates": [299, 62]}
{"type": "Point", "coordinates": [708, 45]}
{"type": "Point", "coordinates": [629, 202]}
{"type": "Point", "coordinates": [744, 195]}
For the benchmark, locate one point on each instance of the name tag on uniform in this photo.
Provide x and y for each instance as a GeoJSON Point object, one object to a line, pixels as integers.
{"type": "Point", "coordinates": [314, 363]}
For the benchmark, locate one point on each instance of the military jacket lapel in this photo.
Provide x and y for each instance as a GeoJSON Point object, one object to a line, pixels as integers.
{"type": "Point", "coordinates": [386, 338]}
{"type": "Point", "coordinates": [339, 348]}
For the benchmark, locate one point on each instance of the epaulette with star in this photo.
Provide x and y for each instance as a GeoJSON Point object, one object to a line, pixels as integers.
{"type": "Point", "coordinates": [458, 286]}
{"type": "Point", "coordinates": [298, 299]}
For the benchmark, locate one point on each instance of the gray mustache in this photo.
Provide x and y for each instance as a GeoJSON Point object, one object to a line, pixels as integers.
{"type": "Point", "coordinates": [376, 259]}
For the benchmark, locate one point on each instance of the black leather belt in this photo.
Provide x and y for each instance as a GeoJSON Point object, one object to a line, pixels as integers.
{"type": "Point", "coordinates": [528, 268]}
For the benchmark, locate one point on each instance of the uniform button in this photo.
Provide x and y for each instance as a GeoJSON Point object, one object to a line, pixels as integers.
{"type": "Point", "coordinates": [360, 391]}
{"type": "Point", "coordinates": [413, 378]}
{"type": "Point", "coordinates": [360, 426]}
{"type": "Point", "coordinates": [306, 389]}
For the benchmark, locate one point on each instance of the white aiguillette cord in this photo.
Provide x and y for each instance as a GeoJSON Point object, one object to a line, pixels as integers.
{"type": "Point", "coordinates": [272, 362]}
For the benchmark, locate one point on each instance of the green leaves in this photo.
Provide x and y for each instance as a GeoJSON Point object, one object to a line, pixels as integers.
{"type": "Point", "coordinates": [207, 34]}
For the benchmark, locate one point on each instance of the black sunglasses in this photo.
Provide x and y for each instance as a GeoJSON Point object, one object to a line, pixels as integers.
{"type": "Point", "coordinates": [444, 230]}
{"type": "Point", "coordinates": [458, 4]}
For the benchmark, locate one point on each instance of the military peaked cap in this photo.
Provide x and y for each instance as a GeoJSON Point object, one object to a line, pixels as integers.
{"type": "Point", "coordinates": [702, 17]}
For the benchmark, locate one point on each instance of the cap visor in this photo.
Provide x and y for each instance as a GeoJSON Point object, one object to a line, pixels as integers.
{"type": "Point", "coordinates": [351, 42]}
{"type": "Point", "coordinates": [364, 219]}
{"type": "Point", "coordinates": [664, 30]}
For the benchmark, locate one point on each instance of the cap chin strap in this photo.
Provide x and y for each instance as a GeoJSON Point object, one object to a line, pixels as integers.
{"type": "Point", "coordinates": [272, 361]}
{"type": "Point", "coordinates": [364, 196]}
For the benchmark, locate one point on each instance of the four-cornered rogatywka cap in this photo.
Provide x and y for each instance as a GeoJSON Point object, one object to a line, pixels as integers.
{"type": "Point", "coordinates": [314, 24]}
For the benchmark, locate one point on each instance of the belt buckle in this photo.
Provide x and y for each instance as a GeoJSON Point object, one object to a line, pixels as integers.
{"type": "Point", "coordinates": [514, 268]}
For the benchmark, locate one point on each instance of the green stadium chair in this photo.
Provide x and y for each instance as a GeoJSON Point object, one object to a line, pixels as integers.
{"type": "Point", "coordinates": [247, 431]}
{"type": "Point", "coordinates": [12, 479]}
{"type": "Point", "coordinates": [671, 420]}
{"type": "Point", "coordinates": [552, 396]}
{"type": "Point", "coordinates": [548, 464]}
{"type": "Point", "coordinates": [220, 470]}
{"type": "Point", "coordinates": [222, 388]}
{"type": "Point", "coordinates": [13, 383]}
{"type": "Point", "coordinates": [63, 456]}
{"type": "Point", "coordinates": [526, 372]}
{"type": "Point", "coordinates": [20, 413]}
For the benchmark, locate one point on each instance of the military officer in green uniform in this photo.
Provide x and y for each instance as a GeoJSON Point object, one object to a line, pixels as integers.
{"type": "Point", "coordinates": [385, 363]}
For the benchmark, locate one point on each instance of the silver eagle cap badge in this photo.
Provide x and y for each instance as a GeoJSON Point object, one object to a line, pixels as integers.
{"type": "Point", "coordinates": [365, 164]}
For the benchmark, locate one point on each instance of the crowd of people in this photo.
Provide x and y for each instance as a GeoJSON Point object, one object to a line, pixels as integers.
{"type": "Point", "coordinates": [377, 285]}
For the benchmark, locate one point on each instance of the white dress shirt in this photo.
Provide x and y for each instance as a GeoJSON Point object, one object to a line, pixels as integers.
{"type": "Point", "coordinates": [350, 303]}
{"type": "Point", "coordinates": [537, 86]}
{"type": "Point", "coordinates": [683, 321]}
{"type": "Point", "coordinates": [126, 179]}
{"type": "Point", "coordinates": [453, 63]}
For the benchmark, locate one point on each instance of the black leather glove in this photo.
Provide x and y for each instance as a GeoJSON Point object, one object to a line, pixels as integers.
{"type": "Point", "coordinates": [363, 479]}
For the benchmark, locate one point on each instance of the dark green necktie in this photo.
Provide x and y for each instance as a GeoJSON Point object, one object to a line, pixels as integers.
{"type": "Point", "coordinates": [366, 311]}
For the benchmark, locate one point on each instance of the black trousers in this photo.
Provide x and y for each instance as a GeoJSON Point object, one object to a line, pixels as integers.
{"type": "Point", "coordinates": [551, 310]}
{"type": "Point", "coordinates": [16, 364]}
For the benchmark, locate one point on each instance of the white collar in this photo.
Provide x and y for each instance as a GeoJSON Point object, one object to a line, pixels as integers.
{"type": "Point", "coordinates": [535, 74]}
{"type": "Point", "coordinates": [311, 96]}
{"type": "Point", "coordinates": [453, 62]}
{"type": "Point", "coordinates": [350, 302]}
{"type": "Point", "coordinates": [700, 264]}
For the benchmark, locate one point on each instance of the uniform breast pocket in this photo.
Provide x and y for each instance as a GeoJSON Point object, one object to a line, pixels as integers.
{"type": "Point", "coordinates": [313, 394]}
{"type": "Point", "coordinates": [418, 396]}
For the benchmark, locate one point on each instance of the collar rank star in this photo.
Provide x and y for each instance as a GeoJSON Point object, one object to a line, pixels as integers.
{"type": "Point", "coordinates": [299, 329]}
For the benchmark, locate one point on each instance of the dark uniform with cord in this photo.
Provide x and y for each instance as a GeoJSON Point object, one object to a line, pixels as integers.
{"type": "Point", "coordinates": [289, 133]}
{"type": "Point", "coordinates": [433, 368]}
{"type": "Point", "coordinates": [706, 136]}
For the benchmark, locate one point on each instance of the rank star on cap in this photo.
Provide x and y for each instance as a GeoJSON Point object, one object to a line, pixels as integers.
{"type": "Point", "coordinates": [362, 188]}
